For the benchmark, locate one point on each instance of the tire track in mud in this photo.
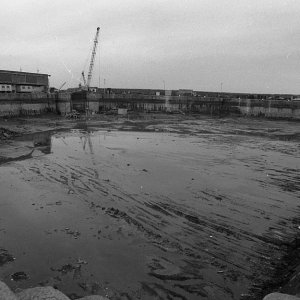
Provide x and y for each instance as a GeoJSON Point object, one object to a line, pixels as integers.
{"type": "Point", "coordinates": [219, 231]}
{"type": "Point", "coordinates": [209, 236]}
{"type": "Point", "coordinates": [145, 215]}
{"type": "Point", "coordinates": [220, 252]}
{"type": "Point", "coordinates": [286, 179]}
{"type": "Point", "coordinates": [153, 220]}
{"type": "Point", "coordinates": [79, 180]}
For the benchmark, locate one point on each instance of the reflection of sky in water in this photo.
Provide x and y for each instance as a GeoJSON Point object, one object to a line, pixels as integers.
{"type": "Point", "coordinates": [166, 212]}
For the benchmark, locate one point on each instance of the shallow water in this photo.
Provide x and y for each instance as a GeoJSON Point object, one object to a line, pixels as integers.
{"type": "Point", "coordinates": [196, 210]}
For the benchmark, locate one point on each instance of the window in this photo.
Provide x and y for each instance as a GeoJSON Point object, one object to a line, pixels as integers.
{"type": "Point", "coordinates": [8, 86]}
{"type": "Point", "coordinates": [23, 87]}
{"type": "Point", "coordinates": [28, 87]}
{"type": "Point", "coordinates": [3, 86]}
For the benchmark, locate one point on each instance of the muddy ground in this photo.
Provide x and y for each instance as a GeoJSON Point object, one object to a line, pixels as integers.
{"type": "Point", "coordinates": [150, 206]}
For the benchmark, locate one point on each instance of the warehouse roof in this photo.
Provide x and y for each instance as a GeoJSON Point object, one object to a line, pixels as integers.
{"type": "Point", "coordinates": [14, 72]}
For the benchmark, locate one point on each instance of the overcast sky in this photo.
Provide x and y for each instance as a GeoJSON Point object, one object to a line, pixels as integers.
{"type": "Point", "coordinates": [247, 45]}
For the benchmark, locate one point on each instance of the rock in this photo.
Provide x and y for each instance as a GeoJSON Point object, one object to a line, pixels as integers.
{"type": "Point", "coordinates": [94, 297]}
{"type": "Point", "coordinates": [66, 269]}
{"type": "Point", "coordinates": [5, 257]}
{"type": "Point", "coordinates": [6, 134]}
{"type": "Point", "coordinates": [19, 276]}
{"type": "Point", "coordinates": [6, 293]}
{"type": "Point", "coordinates": [280, 296]}
{"type": "Point", "coordinates": [41, 293]}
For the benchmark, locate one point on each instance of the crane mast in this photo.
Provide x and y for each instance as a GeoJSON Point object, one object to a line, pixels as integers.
{"type": "Point", "coordinates": [83, 78]}
{"type": "Point", "coordinates": [62, 86]}
{"type": "Point", "coordinates": [89, 78]}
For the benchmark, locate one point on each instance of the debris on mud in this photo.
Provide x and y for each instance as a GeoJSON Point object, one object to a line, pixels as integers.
{"type": "Point", "coordinates": [73, 269]}
{"type": "Point", "coordinates": [73, 115]}
{"type": "Point", "coordinates": [51, 281]}
{"type": "Point", "coordinates": [19, 276]}
{"type": "Point", "coordinates": [92, 288]}
{"type": "Point", "coordinates": [67, 268]}
{"type": "Point", "coordinates": [118, 214]}
{"type": "Point", "coordinates": [6, 134]}
{"type": "Point", "coordinates": [5, 257]}
{"type": "Point", "coordinates": [81, 261]}
{"type": "Point", "coordinates": [74, 296]}
{"type": "Point", "coordinates": [73, 233]}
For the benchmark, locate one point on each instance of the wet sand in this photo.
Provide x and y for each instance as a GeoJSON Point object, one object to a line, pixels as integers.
{"type": "Point", "coordinates": [175, 207]}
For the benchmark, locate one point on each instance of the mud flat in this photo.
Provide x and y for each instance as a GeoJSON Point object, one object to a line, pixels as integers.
{"type": "Point", "coordinates": [171, 207]}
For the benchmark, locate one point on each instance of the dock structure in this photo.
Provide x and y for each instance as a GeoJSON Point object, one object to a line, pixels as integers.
{"type": "Point", "coordinates": [23, 82]}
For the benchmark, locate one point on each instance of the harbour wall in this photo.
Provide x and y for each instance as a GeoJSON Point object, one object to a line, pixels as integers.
{"type": "Point", "coordinates": [26, 104]}
{"type": "Point", "coordinates": [62, 103]}
{"type": "Point", "coordinates": [267, 108]}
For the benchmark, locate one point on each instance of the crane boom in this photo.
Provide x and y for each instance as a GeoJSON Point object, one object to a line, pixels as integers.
{"type": "Point", "coordinates": [83, 78]}
{"type": "Point", "coordinates": [89, 78]}
{"type": "Point", "coordinates": [62, 86]}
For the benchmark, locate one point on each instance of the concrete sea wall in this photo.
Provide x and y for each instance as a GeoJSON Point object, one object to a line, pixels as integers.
{"type": "Point", "coordinates": [62, 103]}
{"type": "Point", "coordinates": [26, 104]}
{"type": "Point", "coordinates": [270, 108]}
{"type": "Point", "coordinates": [166, 103]}
{"type": "Point", "coordinates": [214, 106]}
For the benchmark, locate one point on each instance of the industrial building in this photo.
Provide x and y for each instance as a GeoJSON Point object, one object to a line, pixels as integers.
{"type": "Point", "coordinates": [23, 82]}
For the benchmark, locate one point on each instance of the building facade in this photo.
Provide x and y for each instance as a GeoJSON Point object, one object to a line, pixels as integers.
{"type": "Point", "coordinates": [23, 82]}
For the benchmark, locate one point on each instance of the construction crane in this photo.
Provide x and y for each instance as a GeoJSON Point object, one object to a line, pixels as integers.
{"type": "Point", "coordinates": [83, 78]}
{"type": "Point", "coordinates": [90, 73]}
{"type": "Point", "coordinates": [62, 86]}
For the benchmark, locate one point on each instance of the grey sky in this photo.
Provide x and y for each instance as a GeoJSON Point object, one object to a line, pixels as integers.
{"type": "Point", "coordinates": [248, 45]}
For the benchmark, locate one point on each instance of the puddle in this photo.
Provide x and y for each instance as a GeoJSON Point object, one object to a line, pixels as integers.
{"type": "Point", "coordinates": [188, 211]}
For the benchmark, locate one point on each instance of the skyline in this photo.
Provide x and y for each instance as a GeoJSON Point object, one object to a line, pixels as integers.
{"type": "Point", "coordinates": [250, 46]}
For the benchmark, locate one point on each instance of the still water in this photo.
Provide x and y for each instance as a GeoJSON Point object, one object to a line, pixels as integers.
{"type": "Point", "coordinates": [196, 210]}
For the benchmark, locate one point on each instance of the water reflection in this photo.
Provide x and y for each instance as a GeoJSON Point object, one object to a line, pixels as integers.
{"type": "Point", "coordinates": [42, 141]}
{"type": "Point", "coordinates": [26, 147]}
{"type": "Point", "coordinates": [174, 216]}
{"type": "Point", "coordinates": [86, 140]}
